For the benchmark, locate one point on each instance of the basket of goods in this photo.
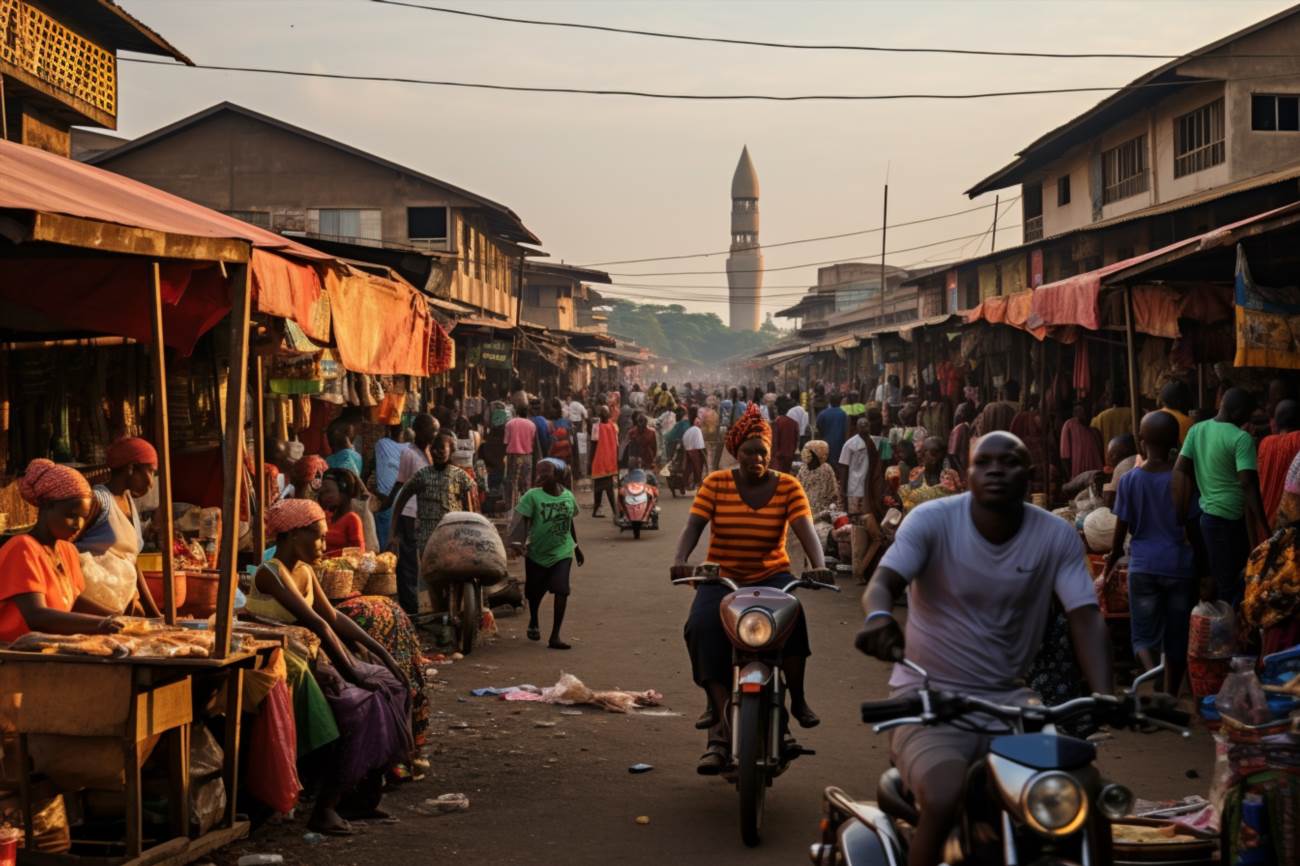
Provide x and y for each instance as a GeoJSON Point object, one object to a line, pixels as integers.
{"type": "Point", "coordinates": [201, 593]}
{"type": "Point", "coordinates": [180, 586]}
{"type": "Point", "coordinates": [381, 578]}
{"type": "Point", "coordinates": [337, 575]}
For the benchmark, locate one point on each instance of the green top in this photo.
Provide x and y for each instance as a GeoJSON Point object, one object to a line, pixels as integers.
{"type": "Point", "coordinates": [1218, 451]}
{"type": "Point", "coordinates": [550, 530]}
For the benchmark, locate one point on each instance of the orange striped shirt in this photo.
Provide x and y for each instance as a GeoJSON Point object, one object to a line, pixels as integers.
{"type": "Point", "coordinates": [749, 543]}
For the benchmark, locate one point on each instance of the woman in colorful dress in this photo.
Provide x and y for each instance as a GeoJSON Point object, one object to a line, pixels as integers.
{"type": "Point", "coordinates": [935, 478]}
{"type": "Point", "coordinates": [817, 477]}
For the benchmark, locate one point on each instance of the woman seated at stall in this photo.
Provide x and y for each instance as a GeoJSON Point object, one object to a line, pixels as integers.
{"type": "Point", "coordinates": [371, 702]}
{"type": "Point", "coordinates": [381, 617]}
{"type": "Point", "coordinates": [114, 529]}
{"type": "Point", "coordinates": [40, 574]}
{"type": "Point", "coordinates": [935, 478]}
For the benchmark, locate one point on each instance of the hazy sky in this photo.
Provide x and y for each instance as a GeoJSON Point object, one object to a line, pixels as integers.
{"type": "Point", "coordinates": [605, 178]}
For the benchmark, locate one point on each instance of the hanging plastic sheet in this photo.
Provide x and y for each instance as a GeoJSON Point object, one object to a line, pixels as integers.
{"type": "Point", "coordinates": [1268, 322]}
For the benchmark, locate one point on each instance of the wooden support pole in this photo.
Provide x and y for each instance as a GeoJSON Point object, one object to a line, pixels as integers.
{"type": "Point", "coordinates": [1130, 346]}
{"type": "Point", "coordinates": [258, 520]}
{"type": "Point", "coordinates": [233, 454]}
{"type": "Point", "coordinates": [163, 516]}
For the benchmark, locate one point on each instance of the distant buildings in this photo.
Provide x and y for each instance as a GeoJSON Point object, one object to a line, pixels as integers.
{"type": "Point", "coordinates": [745, 264]}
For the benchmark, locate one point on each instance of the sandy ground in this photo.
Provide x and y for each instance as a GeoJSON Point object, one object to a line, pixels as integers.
{"type": "Point", "coordinates": [548, 786]}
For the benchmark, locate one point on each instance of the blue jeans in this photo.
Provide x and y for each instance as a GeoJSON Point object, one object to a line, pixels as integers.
{"type": "Point", "coordinates": [1160, 608]}
{"type": "Point", "coordinates": [383, 525]}
{"type": "Point", "coordinates": [1227, 548]}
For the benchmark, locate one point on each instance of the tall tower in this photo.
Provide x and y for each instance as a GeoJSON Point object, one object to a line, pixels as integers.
{"type": "Point", "coordinates": [745, 264]}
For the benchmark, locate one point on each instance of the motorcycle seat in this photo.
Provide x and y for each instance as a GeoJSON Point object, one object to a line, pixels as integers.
{"type": "Point", "coordinates": [894, 799]}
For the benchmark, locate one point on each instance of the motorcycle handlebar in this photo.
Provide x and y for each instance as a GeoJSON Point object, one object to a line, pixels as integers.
{"type": "Point", "coordinates": [891, 708]}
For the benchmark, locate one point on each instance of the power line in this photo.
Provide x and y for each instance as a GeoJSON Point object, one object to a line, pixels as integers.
{"type": "Point", "coordinates": [758, 43]}
{"type": "Point", "coordinates": [685, 97]}
{"type": "Point", "coordinates": [796, 267]}
{"type": "Point", "coordinates": [857, 233]}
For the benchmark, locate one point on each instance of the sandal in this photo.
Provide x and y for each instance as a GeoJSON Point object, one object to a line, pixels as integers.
{"type": "Point", "coordinates": [714, 760]}
{"type": "Point", "coordinates": [534, 634]}
{"type": "Point", "coordinates": [707, 719]}
{"type": "Point", "coordinates": [805, 716]}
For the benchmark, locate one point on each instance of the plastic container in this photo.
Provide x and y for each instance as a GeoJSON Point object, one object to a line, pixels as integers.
{"type": "Point", "coordinates": [9, 838]}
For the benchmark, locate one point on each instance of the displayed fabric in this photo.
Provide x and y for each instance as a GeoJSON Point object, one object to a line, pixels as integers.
{"type": "Point", "coordinates": [386, 622]}
{"type": "Point", "coordinates": [381, 326]}
{"type": "Point", "coordinates": [1156, 310]}
{"type": "Point", "coordinates": [291, 290]}
{"type": "Point", "coordinates": [1268, 322]}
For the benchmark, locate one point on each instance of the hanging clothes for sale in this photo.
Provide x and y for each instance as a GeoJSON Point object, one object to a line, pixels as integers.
{"type": "Point", "coordinates": [1082, 371]}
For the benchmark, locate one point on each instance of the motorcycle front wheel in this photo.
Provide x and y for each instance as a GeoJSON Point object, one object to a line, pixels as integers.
{"type": "Point", "coordinates": [636, 530]}
{"type": "Point", "coordinates": [752, 764]}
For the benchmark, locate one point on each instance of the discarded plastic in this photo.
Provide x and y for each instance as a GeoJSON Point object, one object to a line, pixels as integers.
{"type": "Point", "coordinates": [544, 724]}
{"type": "Point", "coordinates": [313, 838]}
{"type": "Point", "coordinates": [445, 804]}
{"type": "Point", "coordinates": [640, 768]}
{"type": "Point", "coordinates": [261, 860]}
{"type": "Point", "coordinates": [643, 819]}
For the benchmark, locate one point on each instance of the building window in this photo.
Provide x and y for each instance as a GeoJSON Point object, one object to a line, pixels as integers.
{"type": "Point", "coordinates": [1198, 139]}
{"type": "Point", "coordinates": [426, 223]}
{"type": "Point", "coordinates": [1033, 211]}
{"type": "Point", "coordinates": [1275, 112]}
{"type": "Point", "coordinates": [350, 224]}
{"type": "Point", "coordinates": [1063, 190]}
{"type": "Point", "coordinates": [259, 218]}
{"type": "Point", "coordinates": [1124, 170]}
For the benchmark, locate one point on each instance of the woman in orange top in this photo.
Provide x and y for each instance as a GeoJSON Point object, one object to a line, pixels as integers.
{"type": "Point", "coordinates": [343, 525]}
{"type": "Point", "coordinates": [40, 574]}
{"type": "Point", "coordinates": [750, 508]}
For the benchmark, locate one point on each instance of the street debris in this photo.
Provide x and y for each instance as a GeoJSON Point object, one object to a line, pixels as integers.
{"type": "Point", "coordinates": [444, 804]}
{"type": "Point", "coordinates": [640, 768]}
{"type": "Point", "coordinates": [643, 819]}
{"type": "Point", "coordinates": [570, 690]}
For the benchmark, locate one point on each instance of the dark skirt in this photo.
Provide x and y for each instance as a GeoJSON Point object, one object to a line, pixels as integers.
{"type": "Point", "coordinates": [374, 727]}
{"type": "Point", "coordinates": [707, 641]}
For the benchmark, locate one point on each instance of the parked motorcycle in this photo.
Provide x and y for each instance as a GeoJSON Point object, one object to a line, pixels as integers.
{"type": "Point", "coordinates": [758, 620]}
{"type": "Point", "coordinates": [638, 503]}
{"type": "Point", "coordinates": [1036, 798]}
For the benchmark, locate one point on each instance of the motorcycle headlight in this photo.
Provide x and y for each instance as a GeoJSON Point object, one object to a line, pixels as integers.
{"type": "Point", "coordinates": [1115, 801]}
{"type": "Point", "coordinates": [1055, 804]}
{"type": "Point", "coordinates": [755, 628]}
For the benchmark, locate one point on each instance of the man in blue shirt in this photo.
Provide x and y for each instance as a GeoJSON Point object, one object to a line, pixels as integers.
{"type": "Point", "coordinates": [832, 427]}
{"type": "Point", "coordinates": [543, 427]}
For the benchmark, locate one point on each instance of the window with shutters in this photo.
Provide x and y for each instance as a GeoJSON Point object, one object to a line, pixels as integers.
{"type": "Point", "coordinates": [349, 224]}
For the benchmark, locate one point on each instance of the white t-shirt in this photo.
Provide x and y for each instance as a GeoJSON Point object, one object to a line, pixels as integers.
{"type": "Point", "coordinates": [799, 414]}
{"type": "Point", "coordinates": [977, 611]}
{"type": "Point", "coordinates": [693, 439]}
{"type": "Point", "coordinates": [412, 461]}
{"type": "Point", "coordinates": [577, 412]}
{"type": "Point", "coordinates": [856, 456]}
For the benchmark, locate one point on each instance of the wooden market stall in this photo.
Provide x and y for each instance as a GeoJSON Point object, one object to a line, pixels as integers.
{"type": "Point", "coordinates": [89, 258]}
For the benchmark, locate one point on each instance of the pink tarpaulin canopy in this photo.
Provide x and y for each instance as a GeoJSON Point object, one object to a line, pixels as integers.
{"type": "Point", "coordinates": [111, 294]}
{"type": "Point", "coordinates": [1073, 301]}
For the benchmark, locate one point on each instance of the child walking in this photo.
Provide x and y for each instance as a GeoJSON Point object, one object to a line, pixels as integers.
{"type": "Point", "coordinates": [546, 515]}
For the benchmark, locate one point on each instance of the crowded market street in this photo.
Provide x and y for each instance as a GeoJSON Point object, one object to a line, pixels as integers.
{"type": "Point", "coordinates": [547, 788]}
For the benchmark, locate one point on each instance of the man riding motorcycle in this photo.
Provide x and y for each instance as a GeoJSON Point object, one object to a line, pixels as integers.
{"type": "Point", "coordinates": [982, 568]}
{"type": "Point", "coordinates": [750, 508]}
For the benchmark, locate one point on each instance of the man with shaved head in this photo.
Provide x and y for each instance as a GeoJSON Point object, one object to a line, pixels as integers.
{"type": "Point", "coordinates": [1218, 462]}
{"type": "Point", "coordinates": [983, 568]}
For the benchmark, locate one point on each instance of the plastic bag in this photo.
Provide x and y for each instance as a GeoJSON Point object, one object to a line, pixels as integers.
{"type": "Point", "coordinates": [1242, 697]}
{"type": "Point", "coordinates": [206, 755]}
{"type": "Point", "coordinates": [110, 580]}
{"type": "Point", "coordinates": [207, 803]}
{"type": "Point", "coordinates": [272, 775]}
{"type": "Point", "coordinates": [1213, 630]}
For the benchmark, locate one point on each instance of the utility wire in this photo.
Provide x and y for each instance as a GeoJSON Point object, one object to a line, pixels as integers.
{"type": "Point", "coordinates": [686, 97]}
{"type": "Point", "coordinates": [857, 233]}
{"type": "Point", "coordinates": [803, 46]}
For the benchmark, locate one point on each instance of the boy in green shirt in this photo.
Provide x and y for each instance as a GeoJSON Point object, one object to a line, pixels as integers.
{"type": "Point", "coordinates": [546, 515]}
{"type": "Point", "coordinates": [1218, 457]}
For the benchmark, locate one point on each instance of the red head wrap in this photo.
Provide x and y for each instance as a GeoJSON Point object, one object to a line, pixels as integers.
{"type": "Point", "coordinates": [131, 450]}
{"type": "Point", "coordinates": [306, 469]}
{"type": "Point", "coordinates": [290, 514]}
{"type": "Point", "coordinates": [750, 425]}
{"type": "Point", "coordinates": [45, 482]}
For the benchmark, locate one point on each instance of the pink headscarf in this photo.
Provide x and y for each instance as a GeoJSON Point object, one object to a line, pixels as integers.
{"type": "Point", "coordinates": [290, 514]}
{"type": "Point", "coordinates": [129, 450]}
{"type": "Point", "coordinates": [46, 481]}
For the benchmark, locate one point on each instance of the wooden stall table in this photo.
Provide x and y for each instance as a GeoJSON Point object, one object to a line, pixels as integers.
{"type": "Point", "coordinates": [131, 699]}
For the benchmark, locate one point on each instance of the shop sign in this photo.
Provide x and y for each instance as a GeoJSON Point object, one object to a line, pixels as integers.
{"type": "Point", "coordinates": [493, 353]}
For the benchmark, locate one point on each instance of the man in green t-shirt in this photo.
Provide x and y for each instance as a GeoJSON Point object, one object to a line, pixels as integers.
{"type": "Point", "coordinates": [546, 515]}
{"type": "Point", "coordinates": [1218, 461]}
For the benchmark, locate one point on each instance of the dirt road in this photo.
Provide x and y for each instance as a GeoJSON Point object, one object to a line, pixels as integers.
{"type": "Point", "coordinates": [548, 787]}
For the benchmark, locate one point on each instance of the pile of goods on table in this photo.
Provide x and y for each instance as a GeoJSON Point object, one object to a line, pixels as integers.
{"type": "Point", "coordinates": [141, 638]}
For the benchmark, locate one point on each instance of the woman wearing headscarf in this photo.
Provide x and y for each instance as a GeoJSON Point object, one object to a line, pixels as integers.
{"type": "Point", "coordinates": [371, 702]}
{"type": "Point", "coordinates": [114, 534]}
{"type": "Point", "coordinates": [40, 575]}
{"type": "Point", "coordinates": [306, 475]}
{"type": "Point", "coordinates": [749, 509]}
{"type": "Point", "coordinates": [817, 477]}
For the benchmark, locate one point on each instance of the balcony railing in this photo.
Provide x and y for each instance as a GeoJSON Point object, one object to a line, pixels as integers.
{"type": "Point", "coordinates": [1034, 228]}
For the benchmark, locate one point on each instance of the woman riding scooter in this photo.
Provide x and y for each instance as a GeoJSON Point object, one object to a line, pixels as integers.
{"type": "Point", "coordinates": [750, 508]}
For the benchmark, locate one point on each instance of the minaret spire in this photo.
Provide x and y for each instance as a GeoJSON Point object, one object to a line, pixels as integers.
{"type": "Point", "coordinates": [745, 264]}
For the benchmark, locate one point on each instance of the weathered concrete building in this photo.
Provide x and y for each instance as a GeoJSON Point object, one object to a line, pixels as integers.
{"type": "Point", "coordinates": [853, 286]}
{"type": "Point", "coordinates": [58, 67]}
{"type": "Point", "coordinates": [287, 179]}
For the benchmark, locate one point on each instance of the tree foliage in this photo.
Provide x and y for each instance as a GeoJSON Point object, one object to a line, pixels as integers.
{"type": "Point", "coordinates": [674, 332]}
